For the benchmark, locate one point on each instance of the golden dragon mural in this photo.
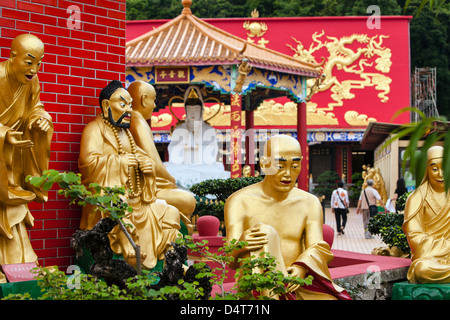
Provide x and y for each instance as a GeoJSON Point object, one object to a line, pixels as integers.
{"type": "Point", "coordinates": [344, 55]}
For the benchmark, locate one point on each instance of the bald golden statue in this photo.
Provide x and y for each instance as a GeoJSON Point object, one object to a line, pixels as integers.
{"type": "Point", "coordinates": [144, 95]}
{"type": "Point", "coordinates": [110, 157]}
{"type": "Point", "coordinates": [427, 225]}
{"type": "Point", "coordinates": [276, 217]}
{"type": "Point", "coordinates": [25, 134]}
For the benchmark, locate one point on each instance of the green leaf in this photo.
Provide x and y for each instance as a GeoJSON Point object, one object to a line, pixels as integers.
{"type": "Point", "coordinates": [47, 185]}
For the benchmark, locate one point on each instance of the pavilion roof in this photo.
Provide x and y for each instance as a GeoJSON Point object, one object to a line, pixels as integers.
{"type": "Point", "coordinates": [188, 40]}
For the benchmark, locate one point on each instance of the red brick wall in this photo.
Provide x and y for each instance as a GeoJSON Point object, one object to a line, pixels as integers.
{"type": "Point", "coordinates": [77, 64]}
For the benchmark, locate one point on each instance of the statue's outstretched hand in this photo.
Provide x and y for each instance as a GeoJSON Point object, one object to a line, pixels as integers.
{"type": "Point", "coordinates": [12, 137]}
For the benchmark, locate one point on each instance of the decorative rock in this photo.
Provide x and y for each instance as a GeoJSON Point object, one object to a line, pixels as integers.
{"type": "Point", "coordinates": [427, 291]}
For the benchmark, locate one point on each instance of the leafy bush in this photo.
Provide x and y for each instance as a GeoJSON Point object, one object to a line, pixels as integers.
{"type": "Point", "coordinates": [55, 285]}
{"type": "Point", "coordinates": [327, 183]}
{"type": "Point", "coordinates": [221, 189]}
{"type": "Point", "coordinates": [355, 189]}
{"type": "Point", "coordinates": [401, 201]}
{"type": "Point", "coordinates": [389, 227]}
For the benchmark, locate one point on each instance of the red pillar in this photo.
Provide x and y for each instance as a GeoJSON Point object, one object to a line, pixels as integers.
{"type": "Point", "coordinates": [303, 179]}
{"type": "Point", "coordinates": [236, 135]}
{"type": "Point", "coordinates": [250, 140]}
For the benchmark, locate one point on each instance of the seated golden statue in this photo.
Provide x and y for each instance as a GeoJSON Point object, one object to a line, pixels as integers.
{"type": "Point", "coordinates": [144, 95]}
{"type": "Point", "coordinates": [26, 131]}
{"type": "Point", "coordinates": [276, 217]}
{"type": "Point", "coordinates": [426, 225]}
{"type": "Point", "coordinates": [109, 156]}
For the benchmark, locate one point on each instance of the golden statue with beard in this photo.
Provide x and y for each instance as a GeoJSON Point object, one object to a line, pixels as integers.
{"type": "Point", "coordinates": [426, 224]}
{"type": "Point", "coordinates": [110, 157]}
{"type": "Point", "coordinates": [25, 134]}
{"type": "Point", "coordinates": [276, 217]}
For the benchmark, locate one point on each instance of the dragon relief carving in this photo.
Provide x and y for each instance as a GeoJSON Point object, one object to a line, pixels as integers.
{"type": "Point", "coordinates": [344, 55]}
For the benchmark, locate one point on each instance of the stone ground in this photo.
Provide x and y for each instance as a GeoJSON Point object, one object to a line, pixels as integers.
{"type": "Point", "coordinates": [353, 240]}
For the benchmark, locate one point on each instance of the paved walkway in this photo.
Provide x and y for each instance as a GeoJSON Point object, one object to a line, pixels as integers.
{"type": "Point", "coordinates": [353, 239]}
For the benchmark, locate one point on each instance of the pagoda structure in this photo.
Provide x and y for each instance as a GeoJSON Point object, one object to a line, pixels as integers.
{"type": "Point", "coordinates": [188, 51]}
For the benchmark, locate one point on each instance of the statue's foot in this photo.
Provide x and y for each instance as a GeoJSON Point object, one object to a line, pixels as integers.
{"type": "Point", "coordinates": [132, 261]}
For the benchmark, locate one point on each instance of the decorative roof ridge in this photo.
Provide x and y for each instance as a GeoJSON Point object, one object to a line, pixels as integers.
{"type": "Point", "coordinates": [204, 27]}
{"type": "Point", "coordinates": [160, 28]}
{"type": "Point", "coordinates": [246, 43]}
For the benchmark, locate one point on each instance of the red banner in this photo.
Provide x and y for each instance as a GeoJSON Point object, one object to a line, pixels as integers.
{"type": "Point", "coordinates": [236, 135]}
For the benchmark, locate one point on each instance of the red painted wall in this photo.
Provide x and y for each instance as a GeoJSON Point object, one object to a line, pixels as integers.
{"type": "Point", "coordinates": [392, 37]}
{"type": "Point", "coordinates": [78, 63]}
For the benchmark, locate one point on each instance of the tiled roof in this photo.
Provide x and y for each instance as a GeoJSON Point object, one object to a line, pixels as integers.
{"type": "Point", "coordinates": [187, 40]}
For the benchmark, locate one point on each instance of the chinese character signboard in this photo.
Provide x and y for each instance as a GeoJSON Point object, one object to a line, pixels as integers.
{"type": "Point", "coordinates": [172, 74]}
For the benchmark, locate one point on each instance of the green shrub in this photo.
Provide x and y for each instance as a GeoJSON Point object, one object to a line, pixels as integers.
{"type": "Point", "coordinates": [355, 189]}
{"type": "Point", "coordinates": [327, 182]}
{"type": "Point", "coordinates": [56, 285]}
{"type": "Point", "coordinates": [221, 189]}
{"type": "Point", "coordinates": [389, 227]}
{"type": "Point", "coordinates": [401, 201]}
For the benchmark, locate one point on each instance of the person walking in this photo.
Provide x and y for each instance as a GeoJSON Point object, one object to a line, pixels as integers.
{"type": "Point", "coordinates": [339, 206]}
{"type": "Point", "coordinates": [368, 197]}
{"type": "Point", "coordinates": [399, 191]}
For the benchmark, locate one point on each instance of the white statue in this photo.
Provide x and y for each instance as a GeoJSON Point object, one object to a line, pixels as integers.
{"type": "Point", "coordinates": [193, 148]}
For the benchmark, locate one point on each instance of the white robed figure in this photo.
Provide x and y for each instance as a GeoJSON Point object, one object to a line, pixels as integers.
{"type": "Point", "coordinates": [193, 148]}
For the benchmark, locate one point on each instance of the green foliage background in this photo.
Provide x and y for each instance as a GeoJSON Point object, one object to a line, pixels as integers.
{"type": "Point", "coordinates": [429, 30]}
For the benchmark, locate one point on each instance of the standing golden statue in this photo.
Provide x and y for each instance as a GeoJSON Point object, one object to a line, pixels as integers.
{"type": "Point", "coordinates": [426, 224]}
{"type": "Point", "coordinates": [110, 157]}
{"type": "Point", "coordinates": [144, 95]}
{"type": "Point", "coordinates": [276, 217]}
{"type": "Point", "coordinates": [25, 133]}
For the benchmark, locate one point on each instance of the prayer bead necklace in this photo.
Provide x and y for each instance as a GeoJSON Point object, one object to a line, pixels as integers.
{"type": "Point", "coordinates": [135, 190]}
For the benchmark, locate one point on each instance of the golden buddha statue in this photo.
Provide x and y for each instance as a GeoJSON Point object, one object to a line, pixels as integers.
{"type": "Point", "coordinates": [144, 95]}
{"type": "Point", "coordinates": [276, 217]}
{"type": "Point", "coordinates": [246, 171]}
{"type": "Point", "coordinates": [25, 133]}
{"type": "Point", "coordinates": [110, 157]}
{"type": "Point", "coordinates": [426, 225]}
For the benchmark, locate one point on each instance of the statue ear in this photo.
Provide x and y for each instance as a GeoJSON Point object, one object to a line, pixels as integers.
{"type": "Point", "coordinates": [144, 99]}
{"type": "Point", "coordinates": [105, 106]}
{"type": "Point", "coordinates": [13, 54]}
{"type": "Point", "coordinates": [264, 162]}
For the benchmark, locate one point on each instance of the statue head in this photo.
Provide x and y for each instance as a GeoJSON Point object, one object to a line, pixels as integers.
{"type": "Point", "coordinates": [27, 52]}
{"type": "Point", "coordinates": [193, 105]}
{"type": "Point", "coordinates": [434, 174]}
{"type": "Point", "coordinates": [281, 162]}
{"type": "Point", "coordinates": [115, 102]}
{"type": "Point", "coordinates": [144, 96]}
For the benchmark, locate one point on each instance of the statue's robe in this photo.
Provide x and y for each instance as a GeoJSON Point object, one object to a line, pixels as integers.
{"type": "Point", "coordinates": [18, 110]}
{"type": "Point", "coordinates": [166, 187]}
{"type": "Point", "coordinates": [427, 227]}
{"type": "Point", "coordinates": [100, 162]}
{"type": "Point", "coordinates": [143, 136]}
